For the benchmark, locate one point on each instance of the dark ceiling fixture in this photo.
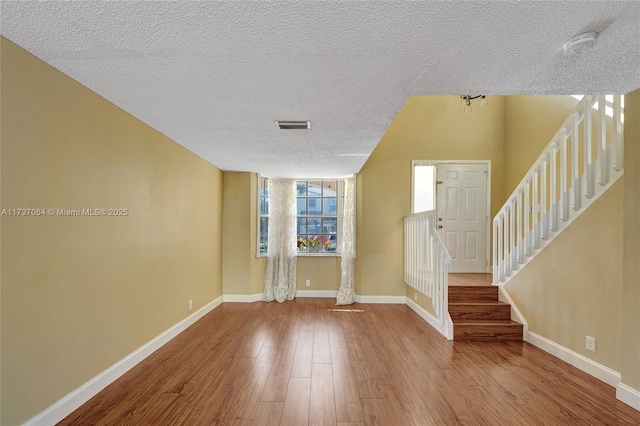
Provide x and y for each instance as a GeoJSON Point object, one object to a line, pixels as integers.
{"type": "Point", "coordinates": [466, 101]}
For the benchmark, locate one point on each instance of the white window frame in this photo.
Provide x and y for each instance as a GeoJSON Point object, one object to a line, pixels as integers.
{"type": "Point", "coordinates": [339, 216]}
{"type": "Point", "coordinates": [259, 216]}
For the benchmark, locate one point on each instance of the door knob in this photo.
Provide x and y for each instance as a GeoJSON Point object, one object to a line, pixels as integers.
{"type": "Point", "coordinates": [439, 226]}
{"type": "Point", "coordinates": [439, 219]}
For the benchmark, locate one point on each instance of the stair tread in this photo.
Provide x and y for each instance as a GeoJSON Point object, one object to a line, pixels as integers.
{"type": "Point", "coordinates": [471, 294]}
{"type": "Point", "coordinates": [473, 286]}
{"type": "Point", "coordinates": [483, 303]}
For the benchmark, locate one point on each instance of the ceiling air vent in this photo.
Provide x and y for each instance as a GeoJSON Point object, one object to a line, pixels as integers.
{"type": "Point", "coordinates": [293, 125]}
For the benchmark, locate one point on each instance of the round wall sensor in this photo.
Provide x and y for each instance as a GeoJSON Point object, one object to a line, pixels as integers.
{"type": "Point", "coordinates": [578, 44]}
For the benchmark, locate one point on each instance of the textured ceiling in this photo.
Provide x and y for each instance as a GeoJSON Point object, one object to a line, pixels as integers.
{"type": "Point", "coordinates": [214, 76]}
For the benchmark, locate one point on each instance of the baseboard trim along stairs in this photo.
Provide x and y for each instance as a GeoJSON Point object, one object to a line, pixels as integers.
{"type": "Point", "coordinates": [478, 315]}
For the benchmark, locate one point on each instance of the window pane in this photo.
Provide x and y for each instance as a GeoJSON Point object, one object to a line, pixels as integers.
{"type": "Point", "coordinates": [264, 205]}
{"type": "Point", "coordinates": [264, 229]}
{"type": "Point", "coordinates": [314, 244]}
{"type": "Point", "coordinates": [315, 188]}
{"type": "Point", "coordinates": [423, 183]}
{"type": "Point", "coordinates": [302, 206]}
{"type": "Point", "coordinates": [330, 225]}
{"type": "Point", "coordinates": [329, 206]}
{"type": "Point", "coordinates": [329, 188]}
{"type": "Point", "coordinates": [332, 243]}
{"type": "Point", "coordinates": [302, 243]}
{"type": "Point", "coordinates": [314, 225]}
{"type": "Point", "coordinates": [301, 188]}
{"type": "Point", "coordinates": [315, 206]}
{"type": "Point", "coordinates": [302, 225]}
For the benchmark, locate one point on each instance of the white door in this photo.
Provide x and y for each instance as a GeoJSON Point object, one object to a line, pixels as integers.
{"type": "Point", "coordinates": [461, 205]}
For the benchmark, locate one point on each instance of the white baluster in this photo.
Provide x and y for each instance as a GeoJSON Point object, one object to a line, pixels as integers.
{"type": "Point", "coordinates": [414, 242]}
{"type": "Point", "coordinates": [603, 158]}
{"type": "Point", "coordinates": [575, 162]}
{"type": "Point", "coordinates": [494, 246]}
{"type": "Point", "coordinates": [500, 250]}
{"type": "Point", "coordinates": [505, 243]}
{"type": "Point", "coordinates": [554, 190]}
{"type": "Point", "coordinates": [588, 150]}
{"type": "Point", "coordinates": [406, 252]}
{"type": "Point", "coordinates": [618, 137]}
{"type": "Point", "coordinates": [512, 237]}
{"type": "Point", "coordinates": [564, 161]}
{"type": "Point", "coordinates": [536, 208]}
{"type": "Point", "coordinates": [544, 232]}
{"type": "Point", "coordinates": [507, 240]}
{"type": "Point", "coordinates": [527, 218]}
{"type": "Point", "coordinates": [520, 237]}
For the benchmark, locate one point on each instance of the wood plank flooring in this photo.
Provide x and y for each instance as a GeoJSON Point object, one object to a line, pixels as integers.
{"type": "Point", "coordinates": [456, 279]}
{"type": "Point", "coordinates": [300, 363]}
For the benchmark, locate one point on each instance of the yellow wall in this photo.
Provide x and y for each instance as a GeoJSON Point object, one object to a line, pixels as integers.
{"type": "Point", "coordinates": [324, 272]}
{"type": "Point", "coordinates": [573, 288]}
{"type": "Point", "coordinates": [424, 301]}
{"type": "Point", "coordinates": [243, 273]}
{"type": "Point", "coordinates": [80, 293]}
{"type": "Point", "coordinates": [631, 259]}
{"type": "Point", "coordinates": [530, 123]}
{"type": "Point", "coordinates": [426, 128]}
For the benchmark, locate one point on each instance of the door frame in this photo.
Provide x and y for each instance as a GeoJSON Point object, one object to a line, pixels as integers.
{"type": "Point", "coordinates": [489, 180]}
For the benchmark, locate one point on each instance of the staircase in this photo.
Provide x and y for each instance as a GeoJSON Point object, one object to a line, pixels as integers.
{"type": "Point", "coordinates": [477, 315]}
{"type": "Point", "coordinates": [583, 159]}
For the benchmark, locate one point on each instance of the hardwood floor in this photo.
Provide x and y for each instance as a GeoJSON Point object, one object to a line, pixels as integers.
{"type": "Point", "coordinates": [459, 279]}
{"type": "Point", "coordinates": [301, 363]}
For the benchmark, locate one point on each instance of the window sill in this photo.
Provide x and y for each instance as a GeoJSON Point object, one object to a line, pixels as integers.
{"type": "Point", "coordinates": [308, 255]}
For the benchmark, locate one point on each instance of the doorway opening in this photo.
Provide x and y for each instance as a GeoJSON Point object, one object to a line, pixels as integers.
{"type": "Point", "coordinates": [460, 193]}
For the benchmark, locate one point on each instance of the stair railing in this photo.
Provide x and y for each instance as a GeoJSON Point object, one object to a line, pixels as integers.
{"type": "Point", "coordinates": [584, 158]}
{"type": "Point", "coordinates": [427, 263]}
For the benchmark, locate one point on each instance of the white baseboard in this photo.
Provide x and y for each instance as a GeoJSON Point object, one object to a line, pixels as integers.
{"type": "Point", "coordinates": [581, 362]}
{"type": "Point", "coordinates": [248, 298]}
{"type": "Point", "coordinates": [427, 316]}
{"type": "Point", "coordinates": [628, 395]}
{"type": "Point", "coordinates": [242, 298]}
{"type": "Point", "coordinates": [516, 315]}
{"type": "Point", "coordinates": [316, 293]}
{"type": "Point", "coordinates": [69, 403]}
{"type": "Point", "coordinates": [394, 300]}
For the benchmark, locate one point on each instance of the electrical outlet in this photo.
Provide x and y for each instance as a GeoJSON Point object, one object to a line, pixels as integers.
{"type": "Point", "coordinates": [190, 304]}
{"type": "Point", "coordinates": [307, 283]}
{"type": "Point", "coordinates": [415, 296]}
{"type": "Point", "coordinates": [591, 344]}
